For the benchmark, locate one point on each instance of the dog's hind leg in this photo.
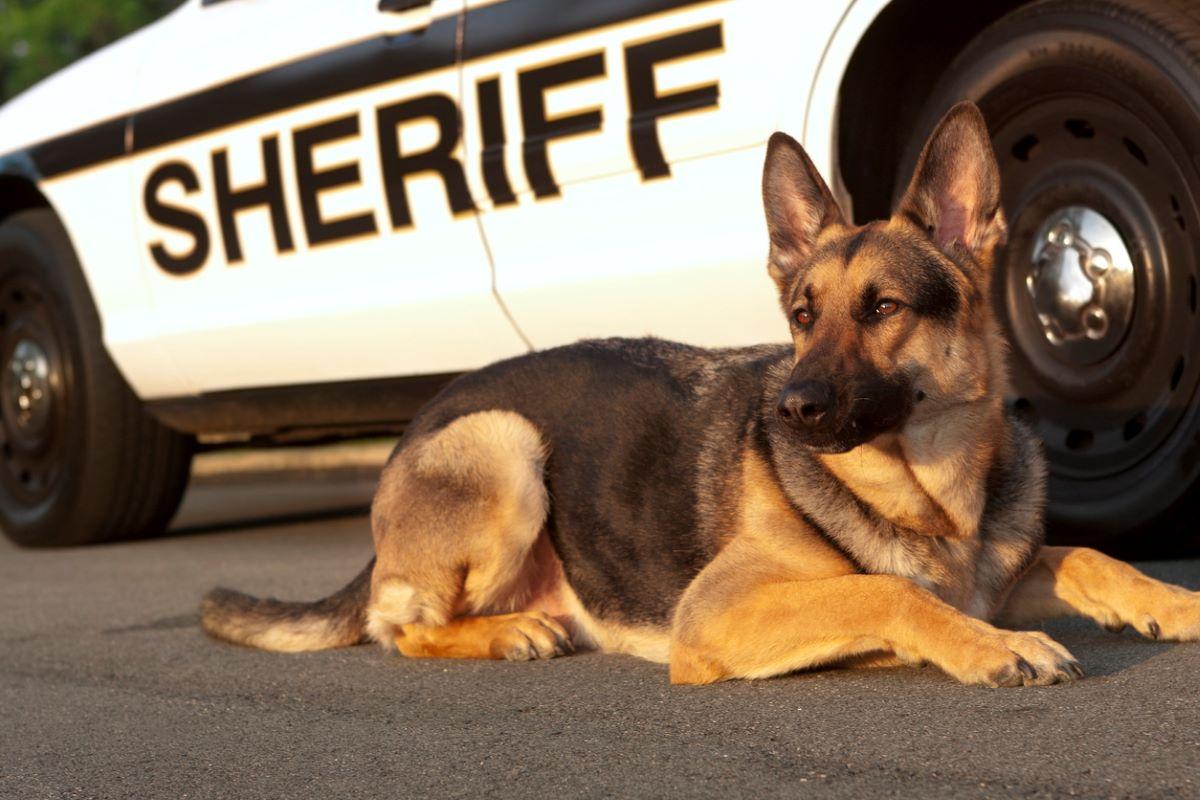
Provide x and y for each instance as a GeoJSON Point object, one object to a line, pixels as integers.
{"type": "Point", "coordinates": [1079, 581]}
{"type": "Point", "coordinates": [517, 637]}
{"type": "Point", "coordinates": [455, 520]}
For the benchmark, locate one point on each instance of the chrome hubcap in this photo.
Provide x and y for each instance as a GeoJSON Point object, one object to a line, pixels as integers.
{"type": "Point", "coordinates": [1081, 282]}
{"type": "Point", "coordinates": [27, 386]}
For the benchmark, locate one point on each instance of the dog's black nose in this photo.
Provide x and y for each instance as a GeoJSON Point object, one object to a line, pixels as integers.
{"type": "Point", "coordinates": [806, 403]}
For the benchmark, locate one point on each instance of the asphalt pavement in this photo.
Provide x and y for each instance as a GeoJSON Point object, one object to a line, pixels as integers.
{"type": "Point", "coordinates": [108, 689]}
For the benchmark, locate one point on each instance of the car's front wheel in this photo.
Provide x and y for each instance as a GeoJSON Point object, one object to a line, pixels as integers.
{"type": "Point", "coordinates": [80, 459]}
{"type": "Point", "coordinates": [1094, 109]}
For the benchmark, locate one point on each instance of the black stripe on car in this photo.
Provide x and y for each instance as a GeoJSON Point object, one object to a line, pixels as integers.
{"type": "Point", "coordinates": [491, 30]}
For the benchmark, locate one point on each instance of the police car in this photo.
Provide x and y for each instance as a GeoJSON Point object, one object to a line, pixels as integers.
{"type": "Point", "coordinates": [297, 218]}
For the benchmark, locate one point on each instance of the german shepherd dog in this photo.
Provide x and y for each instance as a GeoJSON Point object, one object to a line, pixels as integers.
{"type": "Point", "coordinates": [858, 497]}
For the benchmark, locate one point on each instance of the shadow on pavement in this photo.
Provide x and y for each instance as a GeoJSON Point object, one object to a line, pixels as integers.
{"type": "Point", "coordinates": [257, 501]}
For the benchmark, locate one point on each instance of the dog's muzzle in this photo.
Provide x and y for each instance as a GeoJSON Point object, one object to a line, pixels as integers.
{"type": "Point", "coordinates": [828, 421]}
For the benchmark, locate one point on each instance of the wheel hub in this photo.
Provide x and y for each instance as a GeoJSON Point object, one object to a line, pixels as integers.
{"type": "Point", "coordinates": [27, 387]}
{"type": "Point", "coordinates": [33, 392]}
{"type": "Point", "coordinates": [1082, 286]}
{"type": "Point", "coordinates": [1096, 291]}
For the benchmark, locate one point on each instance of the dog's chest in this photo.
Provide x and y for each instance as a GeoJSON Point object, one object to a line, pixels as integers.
{"type": "Point", "coordinates": [946, 567]}
{"type": "Point", "coordinates": [923, 519]}
{"type": "Point", "coordinates": [928, 494]}
{"type": "Point", "coordinates": [884, 534]}
{"type": "Point", "coordinates": [881, 512]}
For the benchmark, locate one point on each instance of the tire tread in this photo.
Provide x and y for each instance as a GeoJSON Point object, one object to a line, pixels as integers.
{"type": "Point", "coordinates": [131, 472]}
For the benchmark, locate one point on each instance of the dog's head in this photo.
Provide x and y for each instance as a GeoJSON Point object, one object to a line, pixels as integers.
{"type": "Point", "coordinates": [889, 320]}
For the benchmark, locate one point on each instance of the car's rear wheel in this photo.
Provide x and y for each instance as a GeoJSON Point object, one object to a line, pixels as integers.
{"type": "Point", "coordinates": [1094, 109]}
{"type": "Point", "coordinates": [80, 459]}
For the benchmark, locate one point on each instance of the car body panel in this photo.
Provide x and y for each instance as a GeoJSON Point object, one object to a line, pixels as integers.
{"type": "Point", "coordinates": [470, 281]}
{"type": "Point", "coordinates": [680, 251]}
{"type": "Point", "coordinates": [293, 309]}
{"type": "Point", "coordinates": [87, 103]}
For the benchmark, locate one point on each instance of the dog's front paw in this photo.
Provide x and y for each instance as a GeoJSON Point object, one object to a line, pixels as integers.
{"type": "Point", "coordinates": [1008, 658]}
{"type": "Point", "coordinates": [1161, 612]}
{"type": "Point", "coordinates": [1178, 620]}
{"type": "Point", "coordinates": [1116, 596]}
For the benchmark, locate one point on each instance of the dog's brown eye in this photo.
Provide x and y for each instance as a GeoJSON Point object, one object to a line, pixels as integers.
{"type": "Point", "coordinates": [804, 317]}
{"type": "Point", "coordinates": [885, 308]}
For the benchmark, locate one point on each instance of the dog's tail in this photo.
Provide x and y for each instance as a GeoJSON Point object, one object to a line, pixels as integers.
{"type": "Point", "coordinates": [339, 620]}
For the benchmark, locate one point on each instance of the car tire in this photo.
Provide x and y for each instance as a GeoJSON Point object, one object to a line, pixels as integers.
{"type": "Point", "coordinates": [81, 461]}
{"type": "Point", "coordinates": [1094, 111]}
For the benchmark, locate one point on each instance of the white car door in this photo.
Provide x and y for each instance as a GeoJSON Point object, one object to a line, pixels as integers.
{"type": "Point", "coordinates": [303, 214]}
{"type": "Point", "coordinates": [617, 148]}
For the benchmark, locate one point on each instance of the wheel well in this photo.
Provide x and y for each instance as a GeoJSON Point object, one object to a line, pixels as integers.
{"type": "Point", "coordinates": [889, 78]}
{"type": "Point", "coordinates": [19, 194]}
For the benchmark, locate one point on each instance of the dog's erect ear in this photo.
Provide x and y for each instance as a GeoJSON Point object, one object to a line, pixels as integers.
{"type": "Point", "coordinates": [798, 204]}
{"type": "Point", "coordinates": [955, 191]}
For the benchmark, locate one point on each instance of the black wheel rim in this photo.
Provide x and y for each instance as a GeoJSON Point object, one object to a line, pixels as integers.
{"type": "Point", "coordinates": [1105, 412]}
{"type": "Point", "coordinates": [33, 392]}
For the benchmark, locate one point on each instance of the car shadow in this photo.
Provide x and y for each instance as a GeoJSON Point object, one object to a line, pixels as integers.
{"type": "Point", "coordinates": [259, 501]}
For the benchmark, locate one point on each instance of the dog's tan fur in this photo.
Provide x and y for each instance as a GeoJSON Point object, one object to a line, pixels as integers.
{"type": "Point", "coordinates": [1079, 581]}
{"type": "Point", "coordinates": [455, 520]}
{"type": "Point", "coordinates": [516, 637]}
